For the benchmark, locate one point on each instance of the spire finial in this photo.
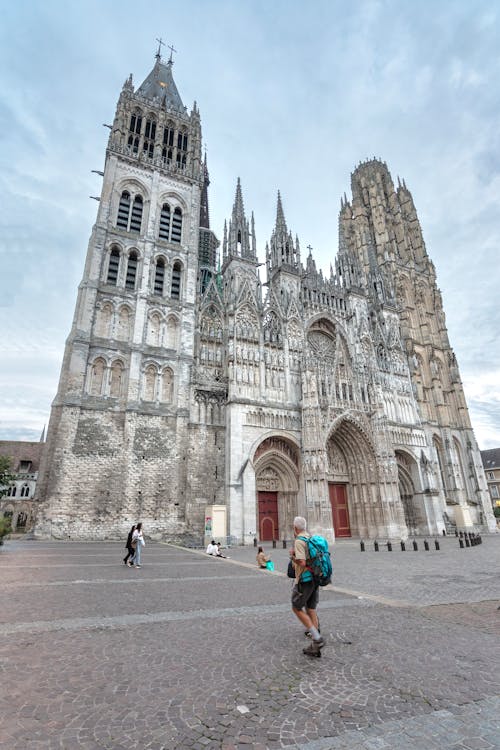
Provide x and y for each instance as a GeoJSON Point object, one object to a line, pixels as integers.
{"type": "Point", "coordinates": [160, 43]}
{"type": "Point", "coordinates": [172, 50]}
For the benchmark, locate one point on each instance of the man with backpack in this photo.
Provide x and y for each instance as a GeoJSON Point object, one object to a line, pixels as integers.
{"type": "Point", "coordinates": [308, 578]}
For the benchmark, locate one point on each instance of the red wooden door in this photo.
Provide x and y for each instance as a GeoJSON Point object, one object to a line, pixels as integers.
{"type": "Point", "coordinates": [268, 516]}
{"type": "Point", "coordinates": [340, 511]}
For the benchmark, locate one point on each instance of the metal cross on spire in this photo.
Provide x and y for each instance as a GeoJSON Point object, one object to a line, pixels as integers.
{"type": "Point", "coordinates": [172, 50]}
{"type": "Point", "coordinates": [160, 43]}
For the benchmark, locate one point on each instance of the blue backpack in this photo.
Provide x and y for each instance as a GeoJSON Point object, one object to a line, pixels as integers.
{"type": "Point", "coordinates": [319, 562]}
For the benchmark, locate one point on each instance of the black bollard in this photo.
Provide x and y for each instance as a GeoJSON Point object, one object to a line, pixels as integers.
{"type": "Point", "coordinates": [456, 532]}
{"type": "Point", "coordinates": [362, 545]}
{"type": "Point", "coordinates": [444, 532]}
{"type": "Point", "coordinates": [375, 545]}
{"type": "Point", "coordinates": [403, 546]}
{"type": "Point", "coordinates": [389, 546]}
{"type": "Point", "coordinates": [426, 545]}
{"type": "Point", "coordinates": [467, 542]}
{"type": "Point", "coordinates": [480, 539]}
{"type": "Point", "coordinates": [284, 543]}
{"type": "Point", "coordinates": [461, 543]}
{"type": "Point", "coordinates": [415, 545]}
{"type": "Point", "coordinates": [436, 544]}
{"type": "Point", "coordinates": [274, 543]}
{"type": "Point", "coordinates": [255, 541]}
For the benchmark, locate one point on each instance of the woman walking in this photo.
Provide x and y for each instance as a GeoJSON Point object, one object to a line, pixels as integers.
{"type": "Point", "coordinates": [137, 543]}
{"type": "Point", "coordinates": [129, 548]}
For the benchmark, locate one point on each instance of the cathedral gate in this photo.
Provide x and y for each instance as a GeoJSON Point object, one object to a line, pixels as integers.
{"type": "Point", "coordinates": [353, 481]}
{"type": "Point", "coordinates": [276, 463]}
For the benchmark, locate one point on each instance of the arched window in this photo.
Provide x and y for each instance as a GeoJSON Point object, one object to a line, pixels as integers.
{"type": "Point", "coordinates": [123, 210]}
{"type": "Point", "coordinates": [134, 131]}
{"type": "Point", "coordinates": [116, 379]}
{"type": "Point", "coordinates": [97, 377]}
{"type": "Point", "coordinates": [104, 318]}
{"type": "Point", "coordinates": [159, 276]}
{"type": "Point", "coordinates": [148, 146]}
{"type": "Point", "coordinates": [175, 290]}
{"type": "Point", "coordinates": [168, 143]}
{"type": "Point", "coordinates": [11, 492]}
{"type": "Point", "coordinates": [153, 332]}
{"type": "Point", "coordinates": [113, 266]}
{"type": "Point", "coordinates": [176, 225]}
{"type": "Point", "coordinates": [167, 385]}
{"type": "Point", "coordinates": [124, 324]}
{"type": "Point", "coordinates": [25, 490]}
{"type": "Point", "coordinates": [150, 383]}
{"type": "Point", "coordinates": [136, 217]}
{"type": "Point", "coordinates": [164, 233]}
{"type": "Point", "coordinates": [182, 145]}
{"type": "Point", "coordinates": [131, 270]}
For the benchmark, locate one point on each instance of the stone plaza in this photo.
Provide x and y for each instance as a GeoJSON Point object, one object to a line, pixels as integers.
{"type": "Point", "coordinates": [203, 653]}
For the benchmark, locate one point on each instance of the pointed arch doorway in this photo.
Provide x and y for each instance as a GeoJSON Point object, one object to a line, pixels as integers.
{"type": "Point", "coordinates": [408, 475]}
{"type": "Point", "coordinates": [276, 463]}
{"type": "Point", "coordinates": [353, 480]}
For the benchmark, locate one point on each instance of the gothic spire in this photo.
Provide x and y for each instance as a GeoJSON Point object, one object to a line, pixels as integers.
{"type": "Point", "coordinates": [159, 86]}
{"type": "Point", "coordinates": [282, 250]}
{"type": "Point", "coordinates": [241, 241]}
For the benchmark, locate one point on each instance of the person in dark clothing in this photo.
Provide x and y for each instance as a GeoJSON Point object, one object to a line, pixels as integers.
{"type": "Point", "coordinates": [129, 548]}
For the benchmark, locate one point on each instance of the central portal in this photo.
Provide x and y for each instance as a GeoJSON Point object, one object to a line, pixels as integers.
{"type": "Point", "coordinates": [268, 516]}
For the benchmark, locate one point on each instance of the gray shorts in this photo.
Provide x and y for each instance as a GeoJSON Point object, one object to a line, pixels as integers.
{"type": "Point", "coordinates": [305, 594]}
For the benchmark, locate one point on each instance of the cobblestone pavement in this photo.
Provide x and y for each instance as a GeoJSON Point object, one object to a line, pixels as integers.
{"type": "Point", "coordinates": [194, 652]}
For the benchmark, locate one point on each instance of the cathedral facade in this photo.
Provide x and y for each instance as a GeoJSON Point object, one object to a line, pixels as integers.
{"type": "Point", "coordinates": [191, 390]}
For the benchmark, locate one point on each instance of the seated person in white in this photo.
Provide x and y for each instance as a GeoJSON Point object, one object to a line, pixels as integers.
{"type": "Point", "coordinates": [212, 548]}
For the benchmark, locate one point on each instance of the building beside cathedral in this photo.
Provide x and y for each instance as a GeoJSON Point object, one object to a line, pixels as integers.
{"type": "Point", "coordinates": [199, 400]}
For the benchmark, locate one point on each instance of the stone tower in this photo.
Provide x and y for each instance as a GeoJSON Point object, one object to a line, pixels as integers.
{"type": "Point", "coordinates": [118, 434]}
{"type": "Point", "coordinates": [191, 392]}
{"type": "Point", "coordinates": [381, 231]}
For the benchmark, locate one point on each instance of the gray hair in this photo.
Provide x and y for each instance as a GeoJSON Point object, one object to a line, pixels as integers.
{"type": "Point", "coordinates": [300, 523]}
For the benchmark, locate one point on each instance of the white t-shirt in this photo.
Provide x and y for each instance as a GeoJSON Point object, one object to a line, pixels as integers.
{"type": "Point", "coordinates": [212, 549]}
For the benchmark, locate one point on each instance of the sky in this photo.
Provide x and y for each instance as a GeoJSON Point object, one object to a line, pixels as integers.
{"type": "Point", "coordinates": [292, 96]}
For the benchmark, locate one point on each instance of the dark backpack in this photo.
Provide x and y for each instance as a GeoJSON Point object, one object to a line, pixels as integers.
{"type": "Point", "coordinates": [319, 561]}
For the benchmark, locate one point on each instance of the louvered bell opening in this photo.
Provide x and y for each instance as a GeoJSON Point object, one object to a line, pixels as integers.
{"type": "Point", "coordinates": [159, 277]}
{"type": "Point", "coordinates": [136, 218]}
{"type": "Point", "coordinates": [164, 232]}
{"type": "Point", "coordinates": [177, 225]}
{"type": "Point", "coordinates": [176, 282]}
{"type": "Point", "coordinates": [123, 211]}
{"type": "Point", "coordinates": [131, 272]}
{"type": "Point", "coordinates": [114, 264]}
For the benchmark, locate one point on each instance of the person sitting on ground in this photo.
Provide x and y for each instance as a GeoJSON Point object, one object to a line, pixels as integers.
{"type": "Point", "coordinates": [219, 553]}
{"type": "Point", "coordinates": [212, 548]}
{"type": "Point", "coordinates": [261, 558]}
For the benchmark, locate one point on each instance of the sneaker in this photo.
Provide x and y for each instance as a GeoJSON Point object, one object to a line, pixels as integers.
{"type": "Point", "coordinates": [314, 648]}
{"type": "Point", "coordinates": [137, 566]}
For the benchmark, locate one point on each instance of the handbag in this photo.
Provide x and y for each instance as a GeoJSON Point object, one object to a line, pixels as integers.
{"type": "Point", "coordinates": [290, 570]}
{"type": "Point", "coordinates": [133, 544]}
{"type": "Point", "coordinates": [270, 565]}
